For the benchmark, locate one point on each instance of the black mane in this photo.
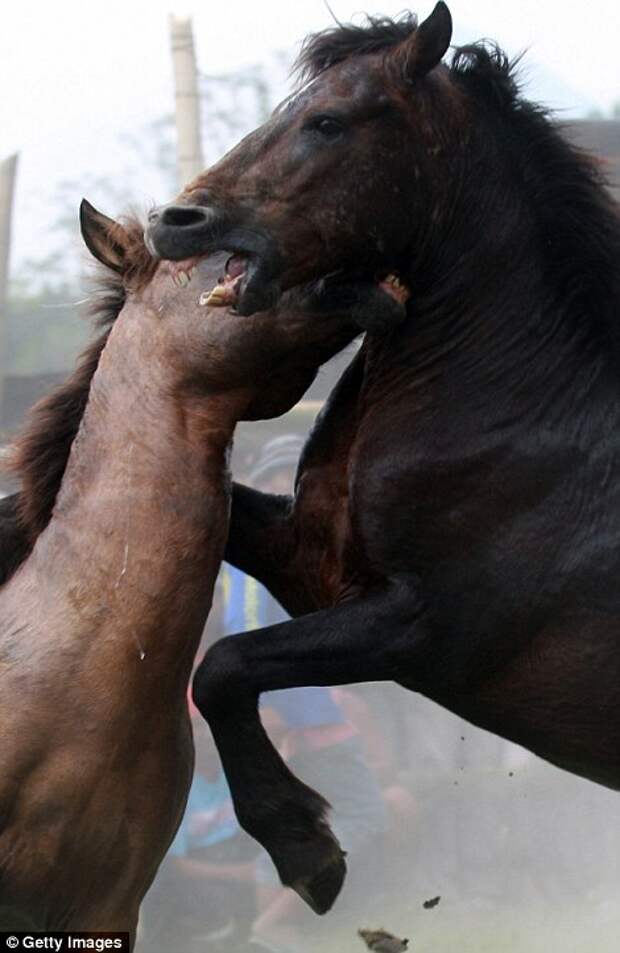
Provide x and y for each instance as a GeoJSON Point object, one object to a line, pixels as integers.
{"type": "Point", "coordinates": [485, 67]}
{"type": "Point", "coordinates": [578, 221]}
{"type": "Point", "coordinates": [331, 46]}
{"type": "Point", "coordinates": [482, 62]}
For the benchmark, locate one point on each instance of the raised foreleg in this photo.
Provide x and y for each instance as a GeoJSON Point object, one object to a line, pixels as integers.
{"type": "Point", "coordinates": [262, 543]}
{"type": "Point", "coordinates": [371, 638]}
{"type": "Point", "coordinates": [264, 533]}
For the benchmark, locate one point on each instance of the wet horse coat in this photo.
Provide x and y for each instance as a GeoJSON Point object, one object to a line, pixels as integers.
{"type": "Point", "coordinates": [456, 519]}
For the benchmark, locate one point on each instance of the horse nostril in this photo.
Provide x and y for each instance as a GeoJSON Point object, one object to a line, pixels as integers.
{"type": "Point", "coordinates": [184, 216]}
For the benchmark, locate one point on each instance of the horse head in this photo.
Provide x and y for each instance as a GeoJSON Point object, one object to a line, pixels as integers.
{"type": "Point", "coordinates": [263, 365]}
{"type": "Point", "coordinates": [338, 174]}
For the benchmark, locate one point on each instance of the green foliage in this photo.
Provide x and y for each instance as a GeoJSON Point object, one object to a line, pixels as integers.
{"type": "Point", "coordinates": [44, 329]}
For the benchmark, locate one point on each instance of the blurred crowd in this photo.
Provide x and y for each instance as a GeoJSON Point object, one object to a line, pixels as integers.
{"type": "Point", "coordinates": [425, 805]}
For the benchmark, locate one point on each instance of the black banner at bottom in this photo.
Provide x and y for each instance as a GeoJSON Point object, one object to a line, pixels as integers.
{"type": "Point", "coordinates": [65, 942]}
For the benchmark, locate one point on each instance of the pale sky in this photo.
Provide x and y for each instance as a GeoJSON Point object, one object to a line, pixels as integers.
{"type": "Point", "coordinates": [77, 75]}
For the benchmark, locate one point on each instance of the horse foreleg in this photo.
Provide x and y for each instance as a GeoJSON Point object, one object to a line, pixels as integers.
{"type": "Point", "coordinates": [370, 638]}
{"type": "Point", "coordinates": [262, 543]}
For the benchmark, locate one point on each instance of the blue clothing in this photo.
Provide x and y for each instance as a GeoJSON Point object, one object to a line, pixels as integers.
{"type": "Point", "coordinates": [307, 707]}
{"type": "Point", "coordinates": [209, 817]}
{"type": "Point", "coordinates": [248, 605]}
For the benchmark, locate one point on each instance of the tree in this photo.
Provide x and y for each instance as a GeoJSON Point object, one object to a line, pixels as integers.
{"type": "Point", "coordinates": [45, 332]}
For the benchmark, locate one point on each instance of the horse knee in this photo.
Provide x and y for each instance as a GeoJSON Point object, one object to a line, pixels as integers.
{"type": "Point", "coordinates": [218, 678]}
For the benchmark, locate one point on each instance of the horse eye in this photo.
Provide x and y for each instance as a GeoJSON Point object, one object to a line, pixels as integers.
{"type": "Point", "coordinates": [326, 127]}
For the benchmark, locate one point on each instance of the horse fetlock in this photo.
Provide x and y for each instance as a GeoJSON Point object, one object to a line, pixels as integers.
{"type": "Point", "coordinates": [273, 814]}
{"type": "Point", "coordinates": [300, 842]}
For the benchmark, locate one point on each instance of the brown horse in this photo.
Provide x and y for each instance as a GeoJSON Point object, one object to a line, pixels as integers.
{"type": "Point", "coordinates": [456, 520]}
{"type": "Point", "coordinates": [114, 556]}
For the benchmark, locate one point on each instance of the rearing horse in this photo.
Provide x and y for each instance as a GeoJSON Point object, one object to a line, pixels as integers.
{"type": "Point", "coordinates": [456, 519]}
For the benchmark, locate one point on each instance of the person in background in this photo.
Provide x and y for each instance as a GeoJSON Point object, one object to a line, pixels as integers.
{"type": "Point", "coordinates": [317, 741]}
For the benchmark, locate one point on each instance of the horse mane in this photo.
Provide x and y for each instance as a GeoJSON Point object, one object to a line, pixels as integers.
{"type": "Point", "coordinates": [40, 452]}
{"type": "Point", "coordinates": [484, 61]}
{"type": "Point", "coordinates": [486, 70]}
{"type": "Point", "coordinates": [321, 50]}
{"type": "Point", "coordinates": [578, 220]}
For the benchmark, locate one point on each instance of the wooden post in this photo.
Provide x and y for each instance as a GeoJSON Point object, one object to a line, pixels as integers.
{"type": "Point", "coordinates": [8, 171]}
{"type": "Point", "coordinates": [187, 100]}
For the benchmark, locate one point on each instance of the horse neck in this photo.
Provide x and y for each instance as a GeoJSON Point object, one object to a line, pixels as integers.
{"type": "Point", "coordinates": [500, 294]}
{"type": "Point", "coordinates": [129, 557]}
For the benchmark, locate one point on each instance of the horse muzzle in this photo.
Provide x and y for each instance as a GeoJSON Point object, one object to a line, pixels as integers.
{"type": "Point", "coordinates": [177, 232]}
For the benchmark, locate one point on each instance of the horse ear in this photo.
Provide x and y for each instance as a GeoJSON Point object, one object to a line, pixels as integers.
{"type": "Point", "coordinates": [423, 50]}
{"type": "Point", "coordinates": [105, 239]}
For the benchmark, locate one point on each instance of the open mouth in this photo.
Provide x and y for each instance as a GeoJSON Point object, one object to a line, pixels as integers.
{"type": "Point", "coordinates": [184, 235]}
{"type": "Point", "coordinates": [247, 285]}
{"type": "Point", "coordinates": [239, 271]}
{"type": "Point", "coordinates": [395, 287]}
{"type": "Point", "coordinates": [254, 276]}
{"type": "Point", "coordinates": [230, 285]}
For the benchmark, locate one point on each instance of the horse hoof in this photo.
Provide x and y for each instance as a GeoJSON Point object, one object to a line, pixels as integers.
{"type": "Point", "coordinates": [321, 889]}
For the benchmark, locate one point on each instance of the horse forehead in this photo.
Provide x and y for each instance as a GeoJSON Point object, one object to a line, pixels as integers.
{"type": "Point", "coordinates": [361, 78]}
{"type": "Point", "coordinates": [348, 81]}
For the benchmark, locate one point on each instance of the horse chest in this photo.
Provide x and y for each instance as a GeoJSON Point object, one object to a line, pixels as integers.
{"type": "Point", "coordinates": [326, 556]}
{"type": "Point", "coordinates": [77, 837]}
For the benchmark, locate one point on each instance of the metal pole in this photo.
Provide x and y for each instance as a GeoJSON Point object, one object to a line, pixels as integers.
{"type": "Point", "coordinates": [187, 100]}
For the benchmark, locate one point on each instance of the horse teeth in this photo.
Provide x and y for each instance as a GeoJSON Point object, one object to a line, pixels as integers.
{"type": "Point", "coordinates": [216, 300]}
{"type": "Point", "coordinates": [184, 279]}
{"type": "Point", "coordinates": [214, 297]}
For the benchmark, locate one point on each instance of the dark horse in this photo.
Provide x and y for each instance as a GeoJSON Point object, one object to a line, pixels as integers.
{"type": "Point", "coordinates": [456, 519]}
